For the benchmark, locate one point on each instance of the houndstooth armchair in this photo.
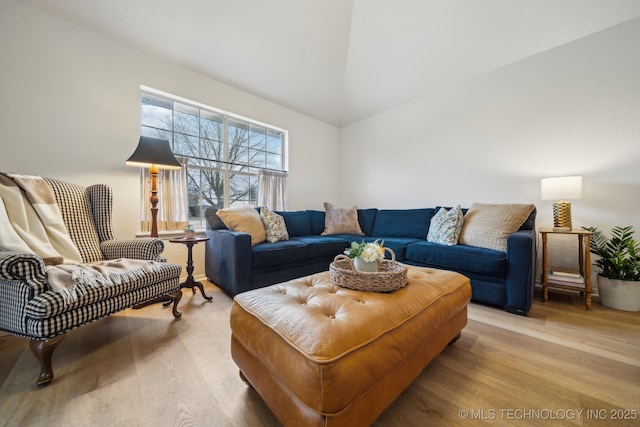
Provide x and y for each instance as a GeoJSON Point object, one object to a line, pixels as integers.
{"type": "Point", "coordinates": [31, 308]}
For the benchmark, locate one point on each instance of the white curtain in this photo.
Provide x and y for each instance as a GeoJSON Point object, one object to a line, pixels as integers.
{"type": "Point", "coordinates": [272, 189]}
{"type": "Point", "coordinates": [172, 198]}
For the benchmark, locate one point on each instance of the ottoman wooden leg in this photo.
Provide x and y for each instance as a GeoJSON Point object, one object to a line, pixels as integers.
{"type": "Point", "coordinates": [243, 378]}
{"type": "Point", "coordinates": [456, 338]}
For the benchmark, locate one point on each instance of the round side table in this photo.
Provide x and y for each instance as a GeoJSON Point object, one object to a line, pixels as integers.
{"type": "Point", "coordinates": [191, 282]}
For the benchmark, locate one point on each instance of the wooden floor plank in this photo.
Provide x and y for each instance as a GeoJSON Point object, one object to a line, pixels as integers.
{"type": "Point", "coordinates": [145, 368]}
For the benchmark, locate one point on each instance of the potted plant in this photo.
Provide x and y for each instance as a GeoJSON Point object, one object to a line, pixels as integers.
{"type": "Point", "coordinates": [619, 264]}
{"type": "Point", "coordinates": [366, 255]}
{"type": "Point", "coordinates": [189, 232]}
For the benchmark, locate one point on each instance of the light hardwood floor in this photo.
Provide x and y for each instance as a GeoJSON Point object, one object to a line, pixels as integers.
{"type": "Point", "coordinates": [142, 368]}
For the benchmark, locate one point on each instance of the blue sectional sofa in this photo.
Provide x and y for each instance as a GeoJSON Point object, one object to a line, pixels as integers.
{"type": "Point", "coordinates": [504, 279]}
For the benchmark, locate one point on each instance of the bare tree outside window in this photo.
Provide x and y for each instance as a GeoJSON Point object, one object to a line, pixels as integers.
{"type": "Point", "coordinates": [224, 153]}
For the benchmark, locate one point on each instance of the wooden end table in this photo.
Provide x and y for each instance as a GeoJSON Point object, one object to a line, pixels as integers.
{"type": "Point", "coordinates": [578, 281]}
{"type": "Point", "coordinates": [191, 282]}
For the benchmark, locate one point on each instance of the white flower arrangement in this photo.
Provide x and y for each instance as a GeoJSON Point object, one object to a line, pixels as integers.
{"type": "Point", "coordinates": [370, 252]}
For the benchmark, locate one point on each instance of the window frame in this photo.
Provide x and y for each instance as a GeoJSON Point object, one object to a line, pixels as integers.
{"type": "Point", "coordinates": [225, 166]}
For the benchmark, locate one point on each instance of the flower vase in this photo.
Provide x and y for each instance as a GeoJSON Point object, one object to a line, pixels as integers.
{"type": "Point", "coordinates": [368, 267]}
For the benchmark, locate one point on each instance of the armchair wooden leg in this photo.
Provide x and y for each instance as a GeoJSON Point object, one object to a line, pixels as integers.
{"type": "Point", "coordinates": [43, 350]}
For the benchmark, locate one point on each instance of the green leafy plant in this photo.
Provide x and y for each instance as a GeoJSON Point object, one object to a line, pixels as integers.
{"type": "Point", "coordinates": [619, 256]}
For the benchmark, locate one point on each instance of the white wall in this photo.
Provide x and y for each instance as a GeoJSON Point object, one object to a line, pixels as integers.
{"type": "Point", "coordinates": [70, 109]}
{"type": "Point", "coordinates": [573, 110]}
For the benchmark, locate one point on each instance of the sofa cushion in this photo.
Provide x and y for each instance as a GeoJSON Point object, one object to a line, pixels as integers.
{"type": "Point", "coordinates": [446, 226]}
{"type": "Point", "coordinates": [402, 223]}
{"type": "Point", "coordinates": [399, 246]}
{"type": "Point", "coordinates": [213, 221]}
{"type": "Point", "coordinates": [366, 218]}
{"type": "Point", "coordinates": [459, 258]}
{"type": "Point", "coordinates": [316, 218]}
{"type": "Point", "coordinates": [489, 225]}
{"type": "Point", "coordinates": [283, 252]}
{"type": "Point", "coordinates": [341, 220]}
{"type": "Point", "coordinates": [244, 218]}
{"type": "Point", "coordinates": [318, 246]}
{"type": "Point", "coordinates": [52, 303]}
{"type": "Point", "coordinates": [297, 222]}
{"type": "Point", "coordinates": [530, 222]}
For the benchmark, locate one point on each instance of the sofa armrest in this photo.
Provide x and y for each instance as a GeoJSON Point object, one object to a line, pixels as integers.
{"type": "Point", "coordinates": [228, 260]}
{"type": "Point", "coordinates": [27, 269]}
{"type": "Point", "coordinates": [521, 271]}
{"type": "Point", "coordinates": [148, 248]}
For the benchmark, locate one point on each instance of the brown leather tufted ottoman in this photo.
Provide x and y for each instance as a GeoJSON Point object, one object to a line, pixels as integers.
{"type": "Point", "coordinates": [321, 355]}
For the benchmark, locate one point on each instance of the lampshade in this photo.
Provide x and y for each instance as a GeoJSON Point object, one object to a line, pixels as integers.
{"type": "Point", "coordinates": [561, 188]}
{"type": "Point", "coordinates": [153, 151]}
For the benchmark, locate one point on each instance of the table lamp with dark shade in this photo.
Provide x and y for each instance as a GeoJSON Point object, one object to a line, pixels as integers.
{"type": "Point", "coordinates": [155, 154]}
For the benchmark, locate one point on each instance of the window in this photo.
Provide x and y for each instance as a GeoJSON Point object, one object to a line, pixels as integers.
{"type": "Point", "coordinates": [224, 152]}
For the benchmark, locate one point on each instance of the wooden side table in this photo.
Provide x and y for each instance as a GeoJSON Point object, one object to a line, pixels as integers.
{"type": "Point", "coordinates": [579, 280]}
{"type": "Point", "coordinates": [191, 282]}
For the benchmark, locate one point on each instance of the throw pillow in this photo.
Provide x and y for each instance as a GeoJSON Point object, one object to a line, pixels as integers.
{"type": "Point", "coordinates": [489, 225]}
{"type": "Point", "coordinates": [274, 225]}
{"type": "Point", "coordinates": [446, 226]}
{"type": "Point", "coordinates": [244, 218]}
{"type": "Point", "coordinates": [341, 220]}
{"type": "Point", "coordinates": [213, 221]}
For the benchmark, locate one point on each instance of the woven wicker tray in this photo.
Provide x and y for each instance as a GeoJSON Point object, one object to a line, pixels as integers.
{"type": "Point", "coordinates": [391, 275]}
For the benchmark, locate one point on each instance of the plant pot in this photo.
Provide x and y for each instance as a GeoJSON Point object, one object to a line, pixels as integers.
{"type": "Point", "coordinates": [189, 234]}
{"type": "Point", "coordinates": [619, 294]}
{"type": "Point", "coordinates": [368, 267]}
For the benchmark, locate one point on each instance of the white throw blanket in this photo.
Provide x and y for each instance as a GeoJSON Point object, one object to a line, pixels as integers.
{"type": "Point", "coordinates": [72, 281]}
{"type": "Point", "coordinates": [31, 222]}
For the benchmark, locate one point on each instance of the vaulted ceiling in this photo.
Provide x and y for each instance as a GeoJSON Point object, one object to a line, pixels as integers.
{"type": "Point", "coordinates": [340, 61]}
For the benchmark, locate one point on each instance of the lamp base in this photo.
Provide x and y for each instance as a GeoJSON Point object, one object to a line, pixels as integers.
{"type": "Point", "coordinates": [562, 216]}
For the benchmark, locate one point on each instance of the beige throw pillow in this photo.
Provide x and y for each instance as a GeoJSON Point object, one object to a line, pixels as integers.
{"type": "Point", "coordinates": [489, 225]}
{"type": "Point", "coordinates": [341, 220]}
{"type": "Point", "coordinates": [244, 218]}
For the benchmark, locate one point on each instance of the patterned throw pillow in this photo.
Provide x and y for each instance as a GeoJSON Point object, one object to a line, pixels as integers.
{"type": "Point", "coordinates": [446, 226]}
{"type": "Point", "coordinates": [274, 225]}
